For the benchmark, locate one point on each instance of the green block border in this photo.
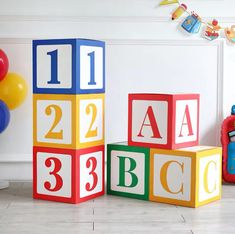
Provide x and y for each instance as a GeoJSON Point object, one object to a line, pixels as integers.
{"type": "Point", "coordinates": [128, 148]}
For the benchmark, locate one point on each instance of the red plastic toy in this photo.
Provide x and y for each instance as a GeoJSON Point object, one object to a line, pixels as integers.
{"type": "Point", "coordinates": [228, 146]}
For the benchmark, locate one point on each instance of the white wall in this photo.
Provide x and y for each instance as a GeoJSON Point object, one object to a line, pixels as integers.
{"type": "Point", "coordinates": [145, 53]}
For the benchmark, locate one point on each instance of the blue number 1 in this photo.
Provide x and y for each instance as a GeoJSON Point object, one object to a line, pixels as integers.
{"type": "Point", "coordinates": [92, 68]}
{"type": "Point", "coordinates": [54, 67]}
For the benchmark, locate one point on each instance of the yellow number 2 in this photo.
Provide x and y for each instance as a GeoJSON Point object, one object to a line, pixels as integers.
{"type": "Point", "coordinates": [58, 114]}
{"type": "Point", "coordinates": [91, 108]}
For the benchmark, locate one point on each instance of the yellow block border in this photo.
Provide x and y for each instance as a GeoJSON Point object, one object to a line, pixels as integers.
{"type": "Point", "coordinates": [75, 137]}
{"type": "Point", "coordinates": [202, 154]}
{"type": "Point", "coordinates": [87, 97]}
{"type": "Point", "coordinates": [191, 155]}
{"type": "Point", "coordinates": [57, 97]}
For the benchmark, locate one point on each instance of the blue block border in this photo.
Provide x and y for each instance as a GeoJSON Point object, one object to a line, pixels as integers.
{"type": "Point", "coordinates": [86, 42]}
{"type": "Point", "coordinates": [75, 43]}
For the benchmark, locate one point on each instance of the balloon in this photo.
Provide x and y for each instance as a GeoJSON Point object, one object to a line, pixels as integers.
{"type": "Point", "coordinates": [4, 64]}
{"type": "Point", "coordinates": [13, 90]}
{"type": "Point", "coordinates": [4, 116]}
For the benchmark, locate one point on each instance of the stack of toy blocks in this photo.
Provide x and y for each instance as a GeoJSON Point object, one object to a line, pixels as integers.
{"type": "Point", "coordinates": [162, 161]}
{"type": "Point", "coordinates": [68, 121]}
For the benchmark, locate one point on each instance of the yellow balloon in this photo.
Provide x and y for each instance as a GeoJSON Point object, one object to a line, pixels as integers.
{"type": "Point", "coordinates": [13, 90]}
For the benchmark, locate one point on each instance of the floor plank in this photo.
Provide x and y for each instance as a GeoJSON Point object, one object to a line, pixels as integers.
{"type": "Point", "coordinates": [19, 213]}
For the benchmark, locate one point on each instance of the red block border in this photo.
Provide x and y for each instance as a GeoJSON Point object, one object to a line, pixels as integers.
{"type": "Point", "coordinates": [36, 195]}
{"type": "Point", "coordinates": [87, 151]}
{"type": "Point", "coordinates": [171, 99]}
{"type": "Point", "coordinates": [185, 97]}
{"type": "Point", "coordinates": [75, 154]}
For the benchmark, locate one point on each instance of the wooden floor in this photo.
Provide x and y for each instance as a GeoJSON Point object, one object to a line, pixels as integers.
{"type": "Point", "coordinates": [19, 213]}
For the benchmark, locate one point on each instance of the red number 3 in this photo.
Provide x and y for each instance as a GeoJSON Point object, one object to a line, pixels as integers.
{"type": "Point", "coordinates": [92, 162]}
{"type": "Point", "coordinates": [54, 172]}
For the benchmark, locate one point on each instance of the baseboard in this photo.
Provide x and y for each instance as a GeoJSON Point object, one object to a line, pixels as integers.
{"type": "Point", "coordinates": [16, 171]}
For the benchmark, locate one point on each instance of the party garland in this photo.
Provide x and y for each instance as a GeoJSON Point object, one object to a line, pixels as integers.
{"type": "Point", "coordinates": [192, 23]}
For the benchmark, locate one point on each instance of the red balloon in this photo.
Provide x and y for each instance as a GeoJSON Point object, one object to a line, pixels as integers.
{"type": "Point", "coordinates": [4, 64]}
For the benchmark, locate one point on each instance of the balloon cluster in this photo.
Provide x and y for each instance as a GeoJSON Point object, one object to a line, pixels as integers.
{"type": "Point", "coordinates": [13, 91]}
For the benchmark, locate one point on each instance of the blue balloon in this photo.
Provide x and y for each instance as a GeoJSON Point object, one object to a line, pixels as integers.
{"type": "Point", "coordinates": [4, 116]}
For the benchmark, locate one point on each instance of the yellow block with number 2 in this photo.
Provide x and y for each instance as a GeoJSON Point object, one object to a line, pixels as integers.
{"type": "Point", "coordinates": [68, 121]}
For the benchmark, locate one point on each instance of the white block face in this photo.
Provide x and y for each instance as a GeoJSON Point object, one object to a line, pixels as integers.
{"type": "Point", "coordinates": [91, 173]}
{"type": "Point", "coordinates": [149, 121]}
{"type": "Point", "coordinates": [54, 66]}
{"type": "Point", "coordinates": [54, 174]}
{"type": "Point", "coordinates": [91, 67]}
{"type": "Point", "coordinates": [186, 121]}
{"type": "Point", "coordinates": [138, 170]}
{"type": "Point", "coordinates": [54, 121]}
{"type": "Point", "coordinates": [91, 120]}
{"type": "Point", "coordinates": [209, 177]}
{"type": "Point", "coordinates": [172, 177]}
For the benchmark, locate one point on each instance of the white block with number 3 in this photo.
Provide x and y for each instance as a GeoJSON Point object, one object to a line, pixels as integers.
{"type": "Point", "coordinates": [91, 170]}
{"type": "Point", "coordinates": [54, 174]}
{"type": "Point", "coordinates": [68, 175]}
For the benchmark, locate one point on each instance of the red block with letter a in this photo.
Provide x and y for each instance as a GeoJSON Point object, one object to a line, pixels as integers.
{"type": "Point", "coordinates": [68, 175]}
{"type": "Point", "coordinates": [167, 121]}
